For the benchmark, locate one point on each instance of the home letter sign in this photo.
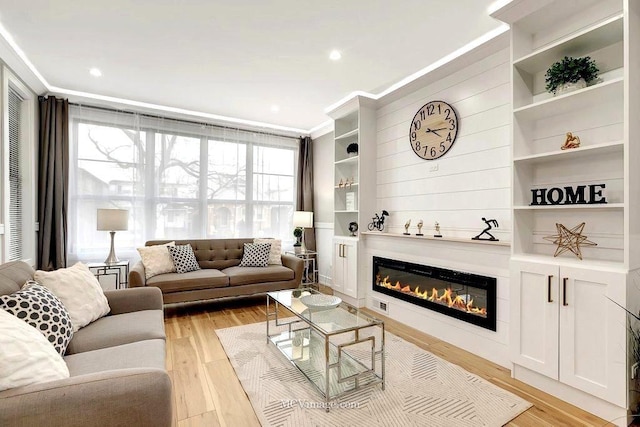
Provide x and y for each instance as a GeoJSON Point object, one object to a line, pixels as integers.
{"type": "Point", "coordinates": [568, 195]}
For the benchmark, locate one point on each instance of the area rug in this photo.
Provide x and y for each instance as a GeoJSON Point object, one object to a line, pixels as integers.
{"type": "Point", "coordinates": [421, 389]}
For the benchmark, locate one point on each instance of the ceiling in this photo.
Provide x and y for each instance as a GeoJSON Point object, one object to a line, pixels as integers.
{"type": "Point", "coordinates": [239, 58]}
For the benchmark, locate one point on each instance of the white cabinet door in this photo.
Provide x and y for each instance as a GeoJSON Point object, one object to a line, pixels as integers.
{"type": "Point", "coordinates": [350, 257]}
{"type": "Point", "coordinates": [338, 266]}
{"type": "Point", "coordinates": [534, 317]}
{"type": "Point", "coordinates": [593, 332]}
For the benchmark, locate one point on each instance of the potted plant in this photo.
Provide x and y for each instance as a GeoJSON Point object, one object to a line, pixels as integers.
{"type": "Point", "coordinates": [570, 74]}
{"type": "Point", "coordinates": [297, 233]}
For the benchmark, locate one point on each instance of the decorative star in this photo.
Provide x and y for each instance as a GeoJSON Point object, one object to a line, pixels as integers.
{"type": "Point", "coordinates": [569, 240]}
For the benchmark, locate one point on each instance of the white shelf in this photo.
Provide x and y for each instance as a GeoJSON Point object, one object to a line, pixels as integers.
{"type": "Point", "coordinates": [572, 153]}
{"type": "Point", "coordinates": [345, 211]}
{"type": "Point", "coordinates": [596, 94]}
{"type": "Point", "coordinates": [442, 239]}
{"type": "Point", "coordinates": [612, 266]}
{"type": "Point", "coordinates": [347, 135]}
{"type": "Point", "coordinates": [348, 160]}
{"type": "Point", "coordinates": [346, 187]}
{"type": "Point", "coordinates": [608, 206]}
{"type": "Point", "coordinates": [591, 39]}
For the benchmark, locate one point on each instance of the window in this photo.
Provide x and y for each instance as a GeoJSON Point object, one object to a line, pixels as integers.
{"type": "Point", "coordinates": [179, 180]}
{"type": "Point", "coordinates": [17, 219]}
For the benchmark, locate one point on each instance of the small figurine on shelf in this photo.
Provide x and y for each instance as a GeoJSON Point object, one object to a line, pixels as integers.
{"type": "Point", "coordinates": [406, 228]}
{"type": "Point", "coordinates": [377, 222]}
{"type": "Point", "coordinates": [570, 142]}
{"type": "Point", "coordinates": [420, 224]}
{"type": "Point", "coordinates": [490, 224]}
{"type": "Point", "coordinates": [351, 181]}
{"type": "Point", "coordinates": [437, 227]}
{"type": "Point", "coordinates": [352, 149]}
{"type": "Point", "coordinates": [341, 183]}
{"type": "Point", "coordinates": [353, 228]}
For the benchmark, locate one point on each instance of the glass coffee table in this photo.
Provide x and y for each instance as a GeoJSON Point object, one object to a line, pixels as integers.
{"type": "Point", "coordinates": [339, 349]}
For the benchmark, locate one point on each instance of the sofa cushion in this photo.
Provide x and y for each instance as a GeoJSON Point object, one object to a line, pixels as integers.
{"type": "Point", "coordinates": [183, 258]}
{"type": "Point", "coordinates": [199, 279]}
{"type": "Point", "coordinates": [141, 354]}
{"type": "Point", "coordinates": [13, 275]}
{"type": "Point", "coordinates": [119, 329]}
{"type": "Point", "coordinates": [79, 291]}
{"type": "Point", "coordinates": [255, 255]}
{"type": "Point", "coordinates": [156, 259]}
{"type": "Point", "coordinates": [250, 275]}
{"type": "Point", "coordinates": [26, 357]}
{"type": "Point", "coordinates": [40, 308]}
{"type": "Point", "coordinates": [275, 252]}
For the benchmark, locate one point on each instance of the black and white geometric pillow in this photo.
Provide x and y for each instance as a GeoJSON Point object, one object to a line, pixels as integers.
{"type": "Point", "coordinates": [255, 255]}
{"type": "Point", "coordinates": [183, 258]}
{"type": "Point", "coordinates": [40, 308]}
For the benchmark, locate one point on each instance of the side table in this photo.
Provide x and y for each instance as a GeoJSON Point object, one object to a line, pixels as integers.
{"type": "Point", "coordinates": [310, 271]}
{"type": "Point", "coordinates": [119, 270]}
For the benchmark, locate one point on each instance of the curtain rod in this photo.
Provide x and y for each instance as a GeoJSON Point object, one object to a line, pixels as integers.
{"type": "Point", "coordinates": [153, 116]}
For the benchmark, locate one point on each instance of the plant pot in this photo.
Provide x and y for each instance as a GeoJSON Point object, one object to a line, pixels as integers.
{"type": "Point", "coordinates": [570, 87]}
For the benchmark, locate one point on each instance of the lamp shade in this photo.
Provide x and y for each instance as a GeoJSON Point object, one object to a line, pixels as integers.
{"type": "Point", "coordinates": [113, 219]}
{"type": "Point", "coordinates": [303, 219]}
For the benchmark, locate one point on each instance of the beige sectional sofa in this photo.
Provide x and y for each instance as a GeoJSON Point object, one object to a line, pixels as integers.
{"type": "Point", "coordinates": [116, 365]}
{"type": "Point", "coordinates": [220, 274]}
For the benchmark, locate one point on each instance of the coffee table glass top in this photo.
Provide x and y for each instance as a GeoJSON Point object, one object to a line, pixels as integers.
{"type": "Point", "coordinates": [330, 320]}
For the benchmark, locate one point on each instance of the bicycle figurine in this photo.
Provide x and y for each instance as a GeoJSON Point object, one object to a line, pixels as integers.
{"type": "Point", "coordinates": [377, 222]}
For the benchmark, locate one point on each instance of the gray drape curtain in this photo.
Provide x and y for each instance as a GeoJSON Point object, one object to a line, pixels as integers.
{"type": "Point", "coordinates": [304, 201]}
{"type": "Point", "coordinates": [53, 183]}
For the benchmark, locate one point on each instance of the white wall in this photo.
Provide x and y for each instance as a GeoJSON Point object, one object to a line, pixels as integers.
{"type": "Point", "coordinates": [323, 203]}
{"type": "Point", "coordinates": [473, 180]}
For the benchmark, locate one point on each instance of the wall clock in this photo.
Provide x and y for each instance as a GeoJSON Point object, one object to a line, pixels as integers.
{"type": "Point", "coordinates": [433, 130]}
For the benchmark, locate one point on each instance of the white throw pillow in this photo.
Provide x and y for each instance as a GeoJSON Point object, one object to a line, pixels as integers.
{"type": "Point", "coordinates": [275, 253]}
{"type": "Point", "coordinates": [157, 260]}
{"type": "Point", "coordinates": [79, 291]}
{"type": "Point", "coordinates": [26, 357]}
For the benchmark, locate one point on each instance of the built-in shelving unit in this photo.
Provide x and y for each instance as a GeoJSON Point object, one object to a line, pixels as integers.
{"type": "Point", "coordinates": [580, 351]}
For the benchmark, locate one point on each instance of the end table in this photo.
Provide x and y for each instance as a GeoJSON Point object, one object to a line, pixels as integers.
{"type": "Point", "coordinates": [310, 271]}
{"type": "Point", "coordinates": [119, 270]}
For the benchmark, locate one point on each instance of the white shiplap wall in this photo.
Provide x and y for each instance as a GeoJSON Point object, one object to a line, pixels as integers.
{"type": "Point", "coordinates": [473, 180]}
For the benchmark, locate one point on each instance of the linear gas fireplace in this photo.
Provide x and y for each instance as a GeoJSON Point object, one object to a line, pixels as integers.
{"type": "Point", "coordinates": [465, 296]}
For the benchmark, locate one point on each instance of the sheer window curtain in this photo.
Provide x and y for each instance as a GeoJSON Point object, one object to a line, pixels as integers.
{"type": "Point", "coordinates": [178, 179]}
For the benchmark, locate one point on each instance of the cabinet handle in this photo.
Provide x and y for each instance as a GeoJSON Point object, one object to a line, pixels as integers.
{"type": "Point", "coordinates": [341, 250]}
{"type": "Point", "coordinates": [549, 288]}
{"type": "Point", "coordinates": [564, 291]}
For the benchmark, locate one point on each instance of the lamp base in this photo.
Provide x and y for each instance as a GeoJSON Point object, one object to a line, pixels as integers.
{"type": "Point", "coordinates": [112, 258]}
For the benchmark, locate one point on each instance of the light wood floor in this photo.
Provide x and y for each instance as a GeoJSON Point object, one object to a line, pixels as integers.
{"type": "Point", "coordinates": [208, 393]}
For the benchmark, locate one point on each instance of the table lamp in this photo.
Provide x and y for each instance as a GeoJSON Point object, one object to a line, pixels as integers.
{"type": "Point", "coordinates": [303, 219]}
{"type": "Point", "coordinates": [112, 220]}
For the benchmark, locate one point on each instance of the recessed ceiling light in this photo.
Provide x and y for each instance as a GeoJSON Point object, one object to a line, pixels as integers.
{"type": "Point", "coordinates": [335, 55]}
{"type": "Point", "coordinates": [275, 108]}
{"type": "Point", "coordinates": [95, 72]}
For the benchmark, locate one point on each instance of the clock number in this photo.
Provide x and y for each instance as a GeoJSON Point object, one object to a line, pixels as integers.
{"type": "Point", "coordinates": [422, 115]}
{"type": "Point", "coordinates": [433, 152]}
{"type": "Point", "coordinates": [453, 124]}
{"type": "Point", "coordinates": [442, 147]}
{"type": "Point", "coordinates": [447, 112]}
{"type": "Point", "coordinates": [430, 109]}
{"type": "Point", "coordinates": [417, 124]}
{"type": "Point", "coordinates": [413, 136]}
{"type": "Point", "coordinates": [426, 147]}
{"type": "Point", "coordinates": [439, 110]}
{"type": "Point", "coordinates": [417, 145]}
{"type": "Point", "coordinates": [448, 139]}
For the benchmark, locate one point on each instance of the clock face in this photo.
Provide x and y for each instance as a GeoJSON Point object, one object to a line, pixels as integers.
{"type": "Point", "coordinates": [433, 130]}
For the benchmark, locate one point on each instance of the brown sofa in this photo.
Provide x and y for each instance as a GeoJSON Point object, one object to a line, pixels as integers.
{"type": "Point", "coordinates": [220, 274]}
{"type": "Point", "coordinates": [117, 367]}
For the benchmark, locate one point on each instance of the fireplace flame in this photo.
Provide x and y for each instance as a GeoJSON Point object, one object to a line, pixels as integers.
{"type": "Point", "coordinates": [448, 297]}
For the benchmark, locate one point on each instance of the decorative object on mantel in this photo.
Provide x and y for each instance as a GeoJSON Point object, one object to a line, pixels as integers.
{"type": "Point", "coordinates": [420, 224]}
{"type": "Point", "coordinates": [490, 224]}
{"type": "Point", "coordinates": [437, 227]}
{"type": "Point", "coordinates": [352, 149]}
{"type": "Point", "coordinates": [406, 228]}
{"type": "Point", "coordinates": [570, 74]}
{"type": "Point", "coordinates": [433, 130]}
{"type": "Point", "coordinates": [353, 228]}
{"type": "Point", "coordinates": [377, 222]}
{"type": "Point", "coordinates": [570, 142]}
{"type": "Point", "coordinates": [569, 195]}
{"type": "Point", "coordinates": [569, 240]}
